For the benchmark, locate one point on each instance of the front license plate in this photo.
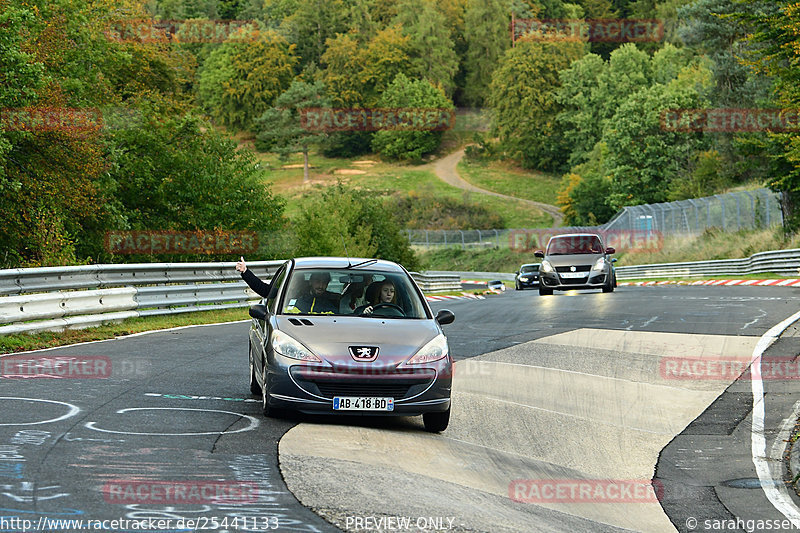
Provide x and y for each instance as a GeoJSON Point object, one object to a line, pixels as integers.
{"type": "Point", "coordinates": [362, 403]}
{"type": "Point", "coordinates": [573, 275]}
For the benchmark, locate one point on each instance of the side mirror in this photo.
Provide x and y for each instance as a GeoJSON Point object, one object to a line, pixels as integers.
{"type": "Point", "coordinates": [539, 253]}
{"type": "Point", "coordinates": [445, 316]}
{"type": "Point", "coordinates": [258, 311]}
{"type": "Point", "coordinates": [613, 259]}
{"type": "Point", "coordinates": [610, 251]}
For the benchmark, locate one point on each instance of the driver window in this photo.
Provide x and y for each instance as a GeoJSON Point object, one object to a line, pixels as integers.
{"type": "Point", "coordinates": [277, 280]}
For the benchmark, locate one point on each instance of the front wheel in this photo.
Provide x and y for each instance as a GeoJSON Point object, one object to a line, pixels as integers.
{"type": "Point", "coordinates": [543, 291]}
{"type": "Point", "coordinates": [437, 421]}
{"type": "Point", "coordinates": [265, 408]}
{"type": "Point", "coordinates": [609, 286]}
{"type": "Point", "coordinates": [255, 388]}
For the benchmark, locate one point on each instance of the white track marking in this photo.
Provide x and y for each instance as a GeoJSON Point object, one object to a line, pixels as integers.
{"type": "Point", "coordinates": [780, 499]}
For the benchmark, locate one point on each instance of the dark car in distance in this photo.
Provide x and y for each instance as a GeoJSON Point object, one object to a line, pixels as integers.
{"type": "Point", "coordinates": [576, 261]}
{"type": "Point", "coordinates": [389, 358]}
{"type": "Point", "coordinates": [527, 276]}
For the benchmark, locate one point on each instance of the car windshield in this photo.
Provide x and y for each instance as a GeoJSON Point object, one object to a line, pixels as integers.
{"type": "Point", "coordinates": [529, 268]}
{"type": "Point", "coordinates": [575, 244]}
{"type": "Point", "coordinates": [343, 292]}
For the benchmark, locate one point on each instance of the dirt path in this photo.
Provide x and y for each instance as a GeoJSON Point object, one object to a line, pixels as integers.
{"type": "Point", "coordinates": [445, 170]}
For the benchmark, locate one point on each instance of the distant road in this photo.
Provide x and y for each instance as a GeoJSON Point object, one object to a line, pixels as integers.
{"type": "Point", "coordinates": [445, 169]}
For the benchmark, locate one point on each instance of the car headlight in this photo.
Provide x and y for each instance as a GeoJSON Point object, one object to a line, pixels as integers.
{"type": "Point", "coordinates": [433, 351]}
{"type": "Point", "coordinates": [287, 346]}
{"type": "Point", "coordinates": [600, 264]}
{"type": "Point", "coordinates": [524, 278]}
{"type": "Point", "coordinates": [546, 267]}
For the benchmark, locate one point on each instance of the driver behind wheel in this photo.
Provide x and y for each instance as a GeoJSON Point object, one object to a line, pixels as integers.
{"type": "Point", "coordinates": [380, 292]}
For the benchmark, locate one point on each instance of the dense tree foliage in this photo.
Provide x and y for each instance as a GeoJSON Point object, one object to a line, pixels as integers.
{"type": "Point", "coordinates": [523, 96]}
{"type": "Point", "coordinates": [109, 122]}
{"type": "Point", "coordinates": [486, 32]}
{"type": "Point", "coordinates": [244, 76]}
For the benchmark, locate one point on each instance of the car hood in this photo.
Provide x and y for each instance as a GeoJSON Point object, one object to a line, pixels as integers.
{"type": "Point", "coordinates": [573, 259]}
{"type": "Point", "coordinates": [330, 337]}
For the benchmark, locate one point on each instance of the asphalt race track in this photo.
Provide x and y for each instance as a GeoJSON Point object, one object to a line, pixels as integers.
{"type": "Point", "coordinates": [564, 409]}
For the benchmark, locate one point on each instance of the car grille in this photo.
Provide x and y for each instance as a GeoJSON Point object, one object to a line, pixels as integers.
{"type": "Point", "coordinates": [578, 268]}
{"type": "Point", "coordinates": [573, 281]}
{"type": "Point", "coordinates": [329, 390]}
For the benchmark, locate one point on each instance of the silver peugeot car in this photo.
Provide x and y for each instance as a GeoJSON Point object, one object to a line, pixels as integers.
{"type": "Point", "coordinates": [576, 261]}
{"type": "Point", "coordinates": [350, 336]}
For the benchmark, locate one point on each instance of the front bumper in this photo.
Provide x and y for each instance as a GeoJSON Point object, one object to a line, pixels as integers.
{"type": "Point", "coordinates": [532, 282]}
{"type": "Point", "coordinates": [593, 280]}
{"type": "Point", "coordinates": [311, 389]}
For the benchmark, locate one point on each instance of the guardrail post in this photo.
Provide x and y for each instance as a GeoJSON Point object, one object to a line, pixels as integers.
{"type": "Point", "coordinates": [463, 244]}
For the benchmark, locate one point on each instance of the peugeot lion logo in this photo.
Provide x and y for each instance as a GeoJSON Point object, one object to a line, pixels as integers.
{"type": "Point", "coordinates": [572, 269]}
{"type": "Point", "coordinates": [364, 354]}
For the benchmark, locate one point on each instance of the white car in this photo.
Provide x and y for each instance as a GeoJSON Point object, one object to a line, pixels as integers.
{"type": "Point", "coordinates": [496, 285]}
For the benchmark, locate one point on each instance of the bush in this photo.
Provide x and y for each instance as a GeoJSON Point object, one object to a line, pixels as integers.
{"type": "Point", "coordinates": [409, 145]}
{"type": "Point", "coordinates": [342, 221]}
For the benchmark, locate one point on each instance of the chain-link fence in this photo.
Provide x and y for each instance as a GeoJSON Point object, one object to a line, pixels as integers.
{"type": "Point", "coordinates": [754, 209]}
{"type": "Point", "coordinates": [733, 211]}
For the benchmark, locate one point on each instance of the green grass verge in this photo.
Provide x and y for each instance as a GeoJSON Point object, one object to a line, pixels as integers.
{"type": "Point", "coordinates": [383, 180]}
{"type": "Point", "coordinates": [501, 177]}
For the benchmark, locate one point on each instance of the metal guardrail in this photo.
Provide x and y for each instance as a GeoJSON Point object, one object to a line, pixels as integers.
{"type": "Point", "coordinates": [781, 262]}
{"type": "Point", "coordinates": [503, 276]}
{"type": "Point", "coordinates": [55, 298]}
